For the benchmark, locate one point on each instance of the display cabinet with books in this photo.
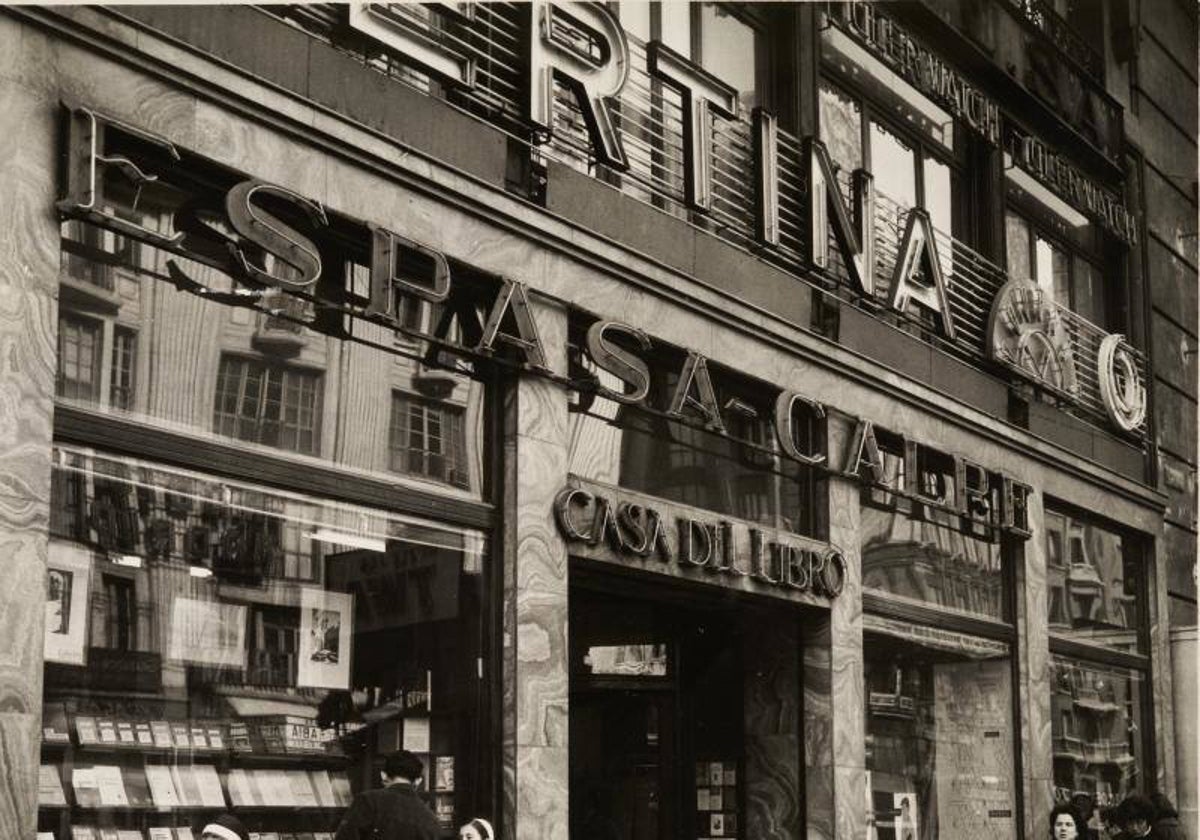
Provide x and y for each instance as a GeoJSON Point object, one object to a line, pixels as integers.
{"type": "Point", "coordinates": [275, 649]}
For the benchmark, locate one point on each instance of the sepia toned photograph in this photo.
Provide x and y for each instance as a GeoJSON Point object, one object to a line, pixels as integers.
{"type": "Point", "coordinates": [622, 420]}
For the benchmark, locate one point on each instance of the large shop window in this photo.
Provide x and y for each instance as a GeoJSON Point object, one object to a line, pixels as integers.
{"type": "Point", "coordinates": [217, 645]}
{"type": "Point", "coordinates": [279, 381]}
{"type": "Point", "coordinates": [1096, 589]}
{"type": "Point", "coordinates": [938, 645]}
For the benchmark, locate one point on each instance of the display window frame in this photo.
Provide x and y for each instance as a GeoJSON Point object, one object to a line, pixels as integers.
{"type": "Point", "coordinates": [889, 609]}
{"type": "Point", "coordinates": [1141, 662]}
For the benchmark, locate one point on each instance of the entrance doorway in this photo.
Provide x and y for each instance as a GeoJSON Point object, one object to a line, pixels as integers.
{"type": "Point", "coordinates": [665, 700]}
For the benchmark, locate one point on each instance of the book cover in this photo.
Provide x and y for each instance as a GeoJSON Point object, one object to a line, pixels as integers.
{"type": "Point", "coordinates": [302, 790]}
{"type": "Point", "coordinates": [111, 784]}
{"type": "Point", "coordinates": [108, 731]}
{"type": "Point", "coordinates": [209, 786]}
{"type": "Point", "coordinates": [45, 835]}
{"type": "Point", "coordinates": [87, 790]}
{"type": "Point", "coordinates": [137, 787]}
{"type": "Point", "coordinates": [145, 737]}
{"type": "Point", "coordinates": [443, 809]}
{"type": "Point", "coordinates": [702, 801]}
{"type": "Point", "coordinates": [55, 729]}
{"type": "Point", "coordinates": [108, 834]}
{"type": "Point", "coordinates": [237, 787]}
{"type": "Point", "coordinates": [323, 788]}
{"type": "Point", "coordinates": [443, 773]}
{"type": "Point", "coordinates": [716, 799]}
{"type": "Point", "coordinates": [716, 824]}
{"type": "Point", "coordinates": [270, 835]}
{"type": "Point", "coordinates": [185, 784]}
{"type": "Point", "coordinates": [161, 834]}
{"type": "Point", "coordinates": [305, 835]}
{"type": "Point", "coordinates": [130, 834]}
{"type": "Point", "coordinates": [179, 736]}
{"type": "Point", "coordinates": [215, 739]}
{"type": "Point", "coordinates": [162, 787]}
{"type": "Point", "coordinates": [416, 734]}
{"type": "Point", "coordinates": [83, 832]}
{"type": "Point", "coordinates": [125, 732]}
{"type": "Point", "coordinates": [341, 788]}
{"type": "Point", "coordinates": [716, 773]}
{"type": "Point", "coordinates": [199, 741]}
{"type": "Point", "coordinates": [183, 833]}
{"type": "Point", "coordinates": [287, 835]}
{"type": "Point", "coordinates": [85, 730]}
{"type": "Point", "coordinates": [50, 789]}
{"type": "Point", "coordinates": [160, 731]}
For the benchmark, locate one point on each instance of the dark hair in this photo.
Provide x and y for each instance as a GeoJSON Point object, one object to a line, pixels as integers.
{"type": "Point", "coordinates": [403, 765]}
{"type": "Point", "coordinates": [1111, 815]}
{"type": "Point", "coordinates": [1069, 810]}
{"type": "Point", "coordinates": [1082, 801]}
{"type": "Point", "coordinates": [1162, 806]}
{"type": "Point", "coordinates": [1136, 807]}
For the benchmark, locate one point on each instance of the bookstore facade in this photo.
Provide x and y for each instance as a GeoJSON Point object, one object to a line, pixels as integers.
{"type": "Point", "coordinates": [363, 433]}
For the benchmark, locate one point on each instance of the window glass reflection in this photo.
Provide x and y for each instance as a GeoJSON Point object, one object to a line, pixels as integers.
{"type": "Point", "coordinates": [939, 733]}
{"type": "Point", "coordinates": [1096, 717]}
{"type": "Point", "coordinates": [219, 645]}
{"type": "Point", "coordinates": [132, 340]}
{"type": "Point", "coordinates": [841, 127]}
{"type": "Point", "coordinates": [893, 165]}
{"type": "Point", "coordinates": [1092, 583]}
{"type": "Point", "coordinates": [677, 27]}
{"type": "Point", "coordinates": [1016, 235]}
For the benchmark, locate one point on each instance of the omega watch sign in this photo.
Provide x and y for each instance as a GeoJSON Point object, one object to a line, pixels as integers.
{"type": "Point", "coordinates": [623, 528]}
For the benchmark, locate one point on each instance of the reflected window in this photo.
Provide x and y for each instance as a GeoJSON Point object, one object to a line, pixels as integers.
{"type": "Point", "coordinates": [428, 439]}
{"type": "Point", "coordinates": [79, 355]}
{"type": "Point", "coordinates": [122, 373]}
{"type": "Point", "coordinates": [268, 403]}
{"type": "Point", "coordinates": [729, 49]}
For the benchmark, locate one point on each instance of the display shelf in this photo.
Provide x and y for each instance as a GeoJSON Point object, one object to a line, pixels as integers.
{"type": "Point", "coordinates": [233, 756]}
{"type": "Point", "coordinates": [185, 809]}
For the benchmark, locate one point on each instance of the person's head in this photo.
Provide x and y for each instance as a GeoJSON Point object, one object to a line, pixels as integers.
{"type": "Point", "coordinates": [402, 766]}
{"type": "Point", "coordinates": [1137, 813]}
{"type": "Point", "coordinates": [1110, 819]}
{"type": "Point", "coordinates": [224, 827]}
{"type": "Point", "coordinates": [477, 829]}
{"type": "Point", "coordinates": [1162, 806]}
{"type": "Point", "coordinates": [1082, 803]}
{"type": "Point", "coordinates": [1065, 824]}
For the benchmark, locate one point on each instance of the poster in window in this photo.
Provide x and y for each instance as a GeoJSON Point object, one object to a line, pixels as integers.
{"type": "Point", "coordinates": [905, 810]}
{"type": "Point", "coordinates": [67, 582]}
{"type": "Point", "coordinates": [208, 633]}
{"type": "Point", "coordinates": [326, 620]}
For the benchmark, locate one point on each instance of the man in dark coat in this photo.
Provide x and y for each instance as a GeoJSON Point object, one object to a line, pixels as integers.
{"type": "Point", "coordinates": [1166, 820]}
{"type": "Point", "coordinates": [395, 812]}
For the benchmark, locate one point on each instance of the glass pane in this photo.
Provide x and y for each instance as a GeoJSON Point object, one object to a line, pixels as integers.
{"type": "Point", "coordinates": [894, 166]}
{"type": "Point", "coordinates": [635, 18]}
{"type": "Point", "coordinates": [181, 360]}
{"type": "Point", "coordinates": [218, 645]}
{"type": "Point", "coordinates": [1096, 726]}
{"type": "Point", "coordinates": [939, 734]}
{"type": "Point", "coordinates": [1089, 293]}
{"type": "Point", "coordinates": [1016, 235]}
{"type": "Point", "coordinates": [939, 185]}
{"type": "Point", "coordinates": [841, 127]}
{"type": "Point", "coordinates": [1054, 272]}
{"type": "Point", "coordinates": [728, 50]}
{"type": "Point", "coordinates": [926, 561]}
{"type": "Point", "coordinates": [677, 26]}
{"type": "Point", "coordinates": [737, 474]}
{"type": "Point", "coordinates": [1093, 582]}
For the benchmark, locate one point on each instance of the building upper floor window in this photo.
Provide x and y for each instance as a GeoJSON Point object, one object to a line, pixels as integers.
{"type": "Point", "coordinates": [909, 170]}
{"type": "Point", "coordinates": [428, 439]}
{"type": "Point", "coordinates": [1067, 273]}
{"type": "Point", "coordinates": [268, 403]}
{"type": "Point", "coordinates": [79, 355]}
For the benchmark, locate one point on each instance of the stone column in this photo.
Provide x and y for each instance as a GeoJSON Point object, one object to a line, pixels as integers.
{"type": "Point", "coordinates": [834, 711]}
{"type": "Point", "coordinates": [535, 598]}
{"type": "Point", "coordinates": [1033, 652]}
{"type": "Point", "coordinates": [28, 331]}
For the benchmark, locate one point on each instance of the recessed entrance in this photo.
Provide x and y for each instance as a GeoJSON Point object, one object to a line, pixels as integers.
{"type": "Point", "coordinates": [684, 711]}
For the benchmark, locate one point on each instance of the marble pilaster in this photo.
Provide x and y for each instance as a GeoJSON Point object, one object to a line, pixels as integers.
{"type": "Point", "coordinates": [1033, 662]}
{"type": "Point", "coordinates": [535, 608]}
{"type": "Point", "coordinates": [1161, 673]}
{"type": "Point", "coordinates": [28, 331]}
{"type": "Point", "coordinates": [772, 721]}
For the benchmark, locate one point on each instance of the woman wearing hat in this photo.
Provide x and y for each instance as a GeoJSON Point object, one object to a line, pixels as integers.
{"type": "Point", "coordinates": [224, 827]}
{"type": "Point", "coordinates": [477, 829]}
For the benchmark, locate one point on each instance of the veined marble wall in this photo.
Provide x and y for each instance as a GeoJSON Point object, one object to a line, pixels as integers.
{"type": "Point", "coordinates": [28, 330]}
{"type": "Point", "coordinates": [771, 707]}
